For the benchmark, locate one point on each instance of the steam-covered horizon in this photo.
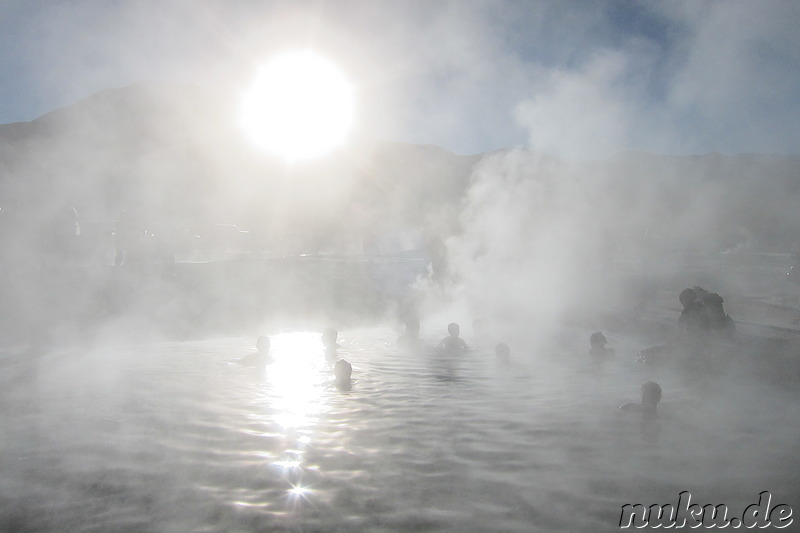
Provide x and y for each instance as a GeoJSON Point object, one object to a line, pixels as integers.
{"type": "Point", "coordinates": [175, 153]}
{"type": "Point", "coordinates": [545, 174]}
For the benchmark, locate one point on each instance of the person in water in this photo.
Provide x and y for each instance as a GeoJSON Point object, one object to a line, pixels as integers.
{"type": "Point", "coordinates": [597, 343]}
{"type": "Point", "coordinates": [716, 318]}
{"type": "Point", "coordinates": [651, 395]}
{"type": "Point", "coordinates": [693, 322]}
{"type": "Point", "coordinates": [261, 357]}
{"type": "Point", "coordinates": [453, 343]}
{"type": "Point", "coordinates": [410, 339]}
{"type": "Point", "coordinates": [502, 355]}
{"type": "Point", "coordinates": [343, 370]}
{"type": "Point", "coordinates": [329, 337]}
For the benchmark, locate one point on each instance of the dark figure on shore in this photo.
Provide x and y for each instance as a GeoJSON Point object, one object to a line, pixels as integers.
{"type": "Point", "coordinates": [343, 370]}
{"type": "Point", "coordinates": [410, 339]}
{"type": "Point", "coordinates": [502, 355]}
{"type": "Point", "coordinates": [261, 357]}
{"type": "Point", "coordinates": [598, 349]}
{"type": "Point", "coordinates": [651, 395]}
{"type": "Point", "coordinates": [453, 343]}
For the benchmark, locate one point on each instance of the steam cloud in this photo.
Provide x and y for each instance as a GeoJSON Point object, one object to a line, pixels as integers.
{"type": "Point", "coordinates": [572, 163]}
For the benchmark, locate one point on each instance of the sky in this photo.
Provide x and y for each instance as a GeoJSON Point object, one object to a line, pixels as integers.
{"type": "Point", "coordinates": [570, 78]}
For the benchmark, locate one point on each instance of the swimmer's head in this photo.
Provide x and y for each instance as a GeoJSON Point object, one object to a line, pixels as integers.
{"type": "Point", "coordinates": [651, 393]}
{"type": "Point", "coordinates": [502, 350]}
{"type": "Point", "coordinates": [454, 329]}
{"type": "Point", "coordinates": [712, 299]}
{"type": "Point", "coordinates": [263, 344]}
{"type": "Point", "coordinates": [687, 296]}
{"type": "Point", "coordinates": [329, 336]}
{"type": "Point", "coordinates": [597, 340]}
{"type": "Point", "coordinates": [342, 370]}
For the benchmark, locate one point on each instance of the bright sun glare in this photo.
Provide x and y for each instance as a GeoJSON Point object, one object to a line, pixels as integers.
{"type": "Point", "coordinates": [299, 106]}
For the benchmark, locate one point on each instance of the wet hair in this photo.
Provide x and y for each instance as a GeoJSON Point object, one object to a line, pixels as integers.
{"type": "Point", "coordinates": [687, 296]}
{"type": "Point", "coordinates": [263, 344]}
{"type": "Point", "coordinates": [342, 370]}
{"type": "Point", "coordinates": [597, 339]}
{"type": "Point", "coordinates": [651, 393]}
{"type": "Point", "coordinates": [453, 329]}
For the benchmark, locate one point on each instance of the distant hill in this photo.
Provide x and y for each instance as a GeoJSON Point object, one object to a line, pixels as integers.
{"type": "Point", "coordinates": [174, 155]}
{"type": "Point", "coordinates": [515, 231]}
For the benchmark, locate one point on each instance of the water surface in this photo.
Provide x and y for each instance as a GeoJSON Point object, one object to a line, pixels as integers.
{"type": "Point", "coordinates": [177, 436]}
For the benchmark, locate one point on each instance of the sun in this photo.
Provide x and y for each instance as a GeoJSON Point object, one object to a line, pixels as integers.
{"type": "Point", "coordinates": [299, 106]}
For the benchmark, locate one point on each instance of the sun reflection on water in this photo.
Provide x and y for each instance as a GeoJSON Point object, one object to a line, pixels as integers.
{"type": "Point", "coordinates": [298, 494]}
{"type": "Point", "coordinates": [295, 378]}
{"type": "Point", "coordinates": [294, 385]}
{"type": "Point", "coordinates": [299, 491]}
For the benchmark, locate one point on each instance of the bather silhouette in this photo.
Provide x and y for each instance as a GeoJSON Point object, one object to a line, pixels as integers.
{"type": "Point", "coordinates": [453, 343]}
{"type": "Point", "coordinates": [261, 357]}
{"type": "Point", "coordinates": [598, 349]}
{"type": "Point", "coordinates": [651, 395]}
{"type": "Point", "coordinates": [329, 336]}
{"type": "Point", "coordinates": [343, 370]}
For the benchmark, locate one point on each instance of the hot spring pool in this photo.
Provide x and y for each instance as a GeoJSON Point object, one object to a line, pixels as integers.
{"type": "Point", "coordinates": [177, 436]}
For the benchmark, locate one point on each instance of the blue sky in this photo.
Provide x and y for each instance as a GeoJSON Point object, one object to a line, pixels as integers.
{"type": "Point", "coordinates": [573, 78]}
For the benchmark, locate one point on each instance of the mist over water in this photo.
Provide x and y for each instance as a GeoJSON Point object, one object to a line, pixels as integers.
{"type": "Point", "coordinates": [126, 406]}
{"type": "Point", "coordinates": [177, 435]}
{"type": "Point", "coordinates": [146, 244]}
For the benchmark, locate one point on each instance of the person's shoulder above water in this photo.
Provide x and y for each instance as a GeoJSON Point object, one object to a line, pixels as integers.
{"type": "Point", "coordinates": [453, 343]}
{"type": "Point", "coordinates": [693, 316]}
{"type": "Point", "coordinates": [343, 371]}
{"type": "Point", "coordinates": [597, 343]}
{"type": "Point", "coordinates": [715, 315]}
{"type": "Point", "coordinates": [651, 395]}
{"type": "Point", "coordinates": [261, 357]}
{"type": "Point", "coordinates": [329, 337]}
